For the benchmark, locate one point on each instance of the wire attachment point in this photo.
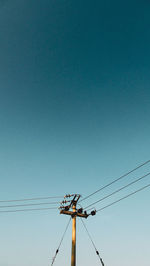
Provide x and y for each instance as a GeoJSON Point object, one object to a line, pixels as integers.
{"type": "Point", "coordinates": [93, 212]}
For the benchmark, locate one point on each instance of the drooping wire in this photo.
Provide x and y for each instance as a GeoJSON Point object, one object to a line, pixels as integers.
{"type": "Point", "coordinates": [26, 210]}
{"type": "Point", "coordinates": [97, 252]}
{"type": "Point", "coordinates": [125, 197]}
{"type": "Point", "coordinates": [31, 204]}
{"type": "Point", "coordinates": [114, 181]}
{"type": "Point", "coordinates": [116, 191]}
{"type": "Point", "coordinates": [26, 199]}
{"type": "Point", "coordinates": [57, 250]}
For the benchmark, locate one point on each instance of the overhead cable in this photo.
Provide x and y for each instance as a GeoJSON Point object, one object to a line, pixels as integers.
{"type": "Point", "coordinates": [57, 250]}
{"type": "Point", "coordinates": [97, 252]}
{"type": "Point", "coordinates": [114, 181]}
{"type": "Point", "coordinates": [30, 204]}
{"type": "Point", "coordinates": [116, 191]}
{"type": "Point", "coordinates": [25, 210]}
{"type": "Point", "coordinates": [114, 202]}
{"type": "Point", "coordinates": [26, 199]}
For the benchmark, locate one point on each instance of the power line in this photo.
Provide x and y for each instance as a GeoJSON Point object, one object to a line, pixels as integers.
{"type": "Point", "coordinates": [31, 204]}
{"type": "Point", "coordinates": [114, 181]}
{"type": "Point", "coordinates": [26, 199]}
{"type": "Point", "coordinates": [114, 202]}
{"type": "Point", "coordinates": [57, 250]}
{"type": "Point", "coordinates": [116, 191]}
{"type": "Point", "coordinates": [92, 243]}
{"type": "Point", "coordinates": [25, 210]}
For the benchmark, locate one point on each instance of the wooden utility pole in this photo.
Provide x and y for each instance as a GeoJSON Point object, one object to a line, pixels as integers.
{"type": "Point", "coordinates": [73, 252]}
{"type": "Point", "coordinates": [74, 213]}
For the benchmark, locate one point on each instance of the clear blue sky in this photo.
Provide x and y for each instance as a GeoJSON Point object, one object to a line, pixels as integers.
{"type": "Point", "coordinates": [74, 115]}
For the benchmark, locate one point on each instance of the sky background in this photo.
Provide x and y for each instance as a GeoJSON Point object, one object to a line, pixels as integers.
{"type": "Point", "coordinates": [74, 115]}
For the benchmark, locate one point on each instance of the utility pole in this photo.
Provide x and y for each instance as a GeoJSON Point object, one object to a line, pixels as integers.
{"type": "Point", "coordinates": [74, 213]}
{"type": "Point", "coordinates": [73, 252]}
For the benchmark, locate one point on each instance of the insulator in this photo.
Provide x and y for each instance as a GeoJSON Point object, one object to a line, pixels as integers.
{"type": "Point", "coordinates": [64, 201]}
{"type": "Point", "coordinates": [93, 213]}
{"type": "Point", "coordinates": [68, 196]}
{"type": "Point", "coordinates": [66, 208]}
{"type": "Point", "coordinates": [80, 210]}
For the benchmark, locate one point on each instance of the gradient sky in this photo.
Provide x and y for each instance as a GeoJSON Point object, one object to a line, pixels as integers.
{"type": "Point", "coordinates": [74, 115]}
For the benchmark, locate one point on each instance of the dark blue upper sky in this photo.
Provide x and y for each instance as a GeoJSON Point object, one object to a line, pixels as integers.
{"type": "Point", "coordinates": [74, 76]}
{"type": "Point", "coordinates": [68, 65]}
{"type": "Point", "coordinates": [74, 93]}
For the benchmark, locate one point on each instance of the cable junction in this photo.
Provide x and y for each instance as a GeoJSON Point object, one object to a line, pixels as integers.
{"type": "Point", "coordinates": [65, 209]}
